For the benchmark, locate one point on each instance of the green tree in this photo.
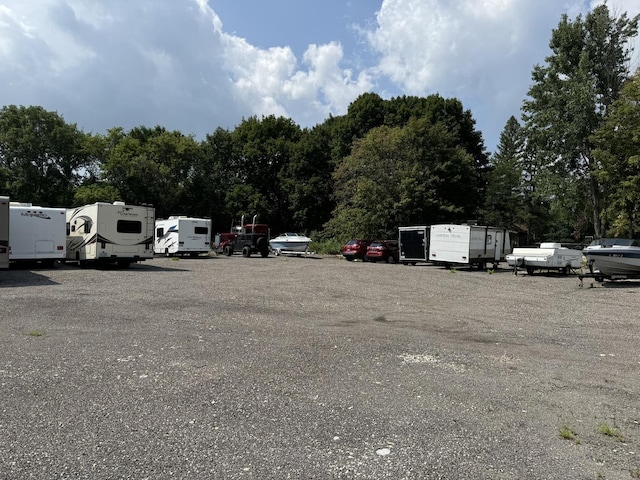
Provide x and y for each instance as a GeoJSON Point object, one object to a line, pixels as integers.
{"type": "Point", "coordinates": [505, 197]}
{"type": "Point", "coordinates": [261, 158]}
{"type": "Point", "coordinates": [569, 99]}
{"type": "Point", "coordinates": [617, 151]}
{"type": "Point", "coordinates": [151, 166]}
{"type": "Point", "coordinates": [42, 158]}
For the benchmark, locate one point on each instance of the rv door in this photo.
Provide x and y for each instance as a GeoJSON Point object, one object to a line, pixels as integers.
{"type": "Point", "coordinates": [499, 243]}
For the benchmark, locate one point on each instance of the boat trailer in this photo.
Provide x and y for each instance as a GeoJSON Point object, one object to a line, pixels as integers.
{"type": "Point", "coordinates": [601, 278]}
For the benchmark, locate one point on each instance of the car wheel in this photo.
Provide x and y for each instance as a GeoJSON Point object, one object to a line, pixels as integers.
{"type": "Point", "coordinates": [390, 259]}
{"type": "Point", "coordinates": [349, 258]}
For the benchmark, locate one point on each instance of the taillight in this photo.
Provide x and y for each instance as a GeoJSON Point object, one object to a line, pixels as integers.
{"type": "Point", "coordinates": [59, 248]}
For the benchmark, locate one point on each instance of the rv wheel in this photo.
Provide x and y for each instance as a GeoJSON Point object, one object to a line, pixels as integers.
{"type": "Point", "coordinates": [166, 252]}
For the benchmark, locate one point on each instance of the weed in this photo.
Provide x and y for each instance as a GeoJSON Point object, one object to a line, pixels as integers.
{"type": "Point", "coordinates": [36, 333]}
{"type": "Point", "coordinates": [567, 433]}
{"type": "Point", "coordinates": [610, 431]}
{"type": "Point", "coordinates": [490, 271]}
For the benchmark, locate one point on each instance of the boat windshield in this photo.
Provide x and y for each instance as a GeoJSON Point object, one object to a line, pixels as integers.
{"type": "Point", "coordinates": [623, 242]}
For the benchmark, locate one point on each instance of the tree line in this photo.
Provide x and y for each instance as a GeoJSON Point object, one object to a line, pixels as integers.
{"type": "Point", "coordinates": [569, 168]}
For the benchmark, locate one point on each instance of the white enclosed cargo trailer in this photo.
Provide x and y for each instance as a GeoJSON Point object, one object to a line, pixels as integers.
{"type": "Point", "coordinates": [110, 233]}
{"type": "Point", "coordinates": [4, 232]}
{"type": "Point", "coordinates": [37, 234]}
{"type": "Point", "coordinates": [451, 244]}
{"type": "Point", "coordinates": [180, 235]}
{"type": "Point", "coordinates": [414, 244]}
{"type": "Point", "coordinates": [549, 256]}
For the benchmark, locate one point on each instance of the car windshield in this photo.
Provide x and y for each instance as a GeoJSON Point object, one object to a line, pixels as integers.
{"type": "Point", "coordinates": [376, 244]}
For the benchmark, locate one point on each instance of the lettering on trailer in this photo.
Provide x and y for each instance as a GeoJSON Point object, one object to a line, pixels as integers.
{"type": "Point", "coordinates": [448, 235]}
{"type": "Point", "coordinates": [42, 215]}
{"type": "Point", "coordinates": [127, 213]}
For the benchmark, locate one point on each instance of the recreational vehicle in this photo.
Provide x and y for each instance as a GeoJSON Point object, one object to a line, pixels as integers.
{"type": "Point", "coordinates": [110, 233]}
{"type": "Point", "coordinates": [549, 256]}
{"type": "Point", "coordinates": [468, 245]}
{"type": "Point", "coordinates": [4, 232]}
{"type": "Point", "coordinates": [37, 234]}
{"type": "Point", "coordinates": [414, 244]}
{"type": "Point", "coordinates": [180, 235]}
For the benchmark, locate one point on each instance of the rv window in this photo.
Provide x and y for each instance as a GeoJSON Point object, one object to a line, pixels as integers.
{"type": "Point", "coordinates": [69, 228]}
{"type": "Point", "coordinates": [159, 232]}
{"type": "Point", "coordinates": [87, 226]}
{"type": "Point", "coordinates": [129, 226]}
{"type": "Point", "coordinates": [201, 230]}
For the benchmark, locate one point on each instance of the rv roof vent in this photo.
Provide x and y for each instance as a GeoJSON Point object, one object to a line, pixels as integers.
{"type": "Point", "coordinates": [118, 203]}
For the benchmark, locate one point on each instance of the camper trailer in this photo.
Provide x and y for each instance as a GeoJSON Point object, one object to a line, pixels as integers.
{"type": "Point", "coordinates": [414, 244]}
{"type": "Point", "coordinates": [110, 233]}
{"type": "Point", "coordinates": [550, 256]}
{"type": "Point", "coordinates": [468, 245]}
{"type": "Point", "coordinates": [180, 235]}
{"type": "Point", "coordinates": [4, 232]}
{"type": "Point", "coordinates": [37, 234]}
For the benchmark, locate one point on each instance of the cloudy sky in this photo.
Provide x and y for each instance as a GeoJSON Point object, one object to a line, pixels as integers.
{"type": "Point", "coordinates": [195, 65]}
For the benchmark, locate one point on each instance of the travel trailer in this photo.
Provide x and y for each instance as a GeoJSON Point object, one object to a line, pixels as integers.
{"type": "Point", "coordinates": [180, 235]}
{"type": "Point", "coordinates": [37, 234]}
{"type": "Point", "coordinates": [468, 245]}
{"type": "Point", "coordinates": [110, 233]}
{"type": "Point", "coordinates": [4, 232]}
{"type": "Point", "coordinates": [414, 244]}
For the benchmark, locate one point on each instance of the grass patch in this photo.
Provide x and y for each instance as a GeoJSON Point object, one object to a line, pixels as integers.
{"type": "Point", "coordinates": [36, 333]}
{"type": "Point", "coordinates": [610, 431]}
{"type": "Point", "coordinates": [568, 433]}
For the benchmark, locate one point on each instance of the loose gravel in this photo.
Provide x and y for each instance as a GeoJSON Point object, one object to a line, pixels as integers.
{"type": "Point", "coordinates": [288, 367]}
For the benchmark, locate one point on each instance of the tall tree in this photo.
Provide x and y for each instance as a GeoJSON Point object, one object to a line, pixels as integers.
{"type": "Point", "coordinates": [570, 97]}
{"type": "Point", "coordinates": [617, 152]}
{"type": "Point", "coordinates": [43, 158]}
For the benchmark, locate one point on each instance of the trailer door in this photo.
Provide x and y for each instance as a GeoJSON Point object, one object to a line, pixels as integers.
{"type": "Point", "coordinates": [413, 244]}
{"type": "Point", "coordinates": [499, 243]}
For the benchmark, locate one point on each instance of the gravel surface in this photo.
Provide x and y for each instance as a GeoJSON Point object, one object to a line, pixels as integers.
{"type": "Point", "coordinates": [286, 367]}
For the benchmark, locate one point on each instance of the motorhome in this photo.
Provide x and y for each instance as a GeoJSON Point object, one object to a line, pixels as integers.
{"type": "Point", "coordinates": [468, 245]}
{"type": "Point", "coordinates": [180, 235]}
{"type": "Point", "coordinates": [110, 233]}
{"type": "Point", "coordinates": [414, 244]}
{"type": "Point", "coordinates": [4, 232]}
{"type": "Point", "coordinates": [37, 234]}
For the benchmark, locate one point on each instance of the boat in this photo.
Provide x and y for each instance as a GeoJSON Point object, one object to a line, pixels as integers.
{"type": "Point", "coordinates": [614, 257]}
{"type": "Point", "coordinates": [549, 256]}
{"type": "Point", "coordinates": [290, 242]}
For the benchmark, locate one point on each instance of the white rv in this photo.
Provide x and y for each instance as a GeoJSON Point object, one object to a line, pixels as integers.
{"type": "Point", "coordinates": [37, 234]}
{"type": "Point", "coordinates": [179, 235]}
{"type": "Point", "coordinates": [4, 232]}
{"type": "Point", "coordinates": [468, 245]}
{"type": "Point", "coordinates": [549, 256]}
{"type": "Point", "coordinates": [110, 233]}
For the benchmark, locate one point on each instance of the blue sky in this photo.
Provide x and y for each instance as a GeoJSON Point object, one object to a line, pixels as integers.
{"type": "Point", "coordinates": [196, 65]}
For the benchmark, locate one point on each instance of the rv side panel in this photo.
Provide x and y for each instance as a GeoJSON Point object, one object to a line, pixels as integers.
{"type": "Point", "coordinates": [4, 232]}
{"type": "Point", "coordinates": [37, 233]}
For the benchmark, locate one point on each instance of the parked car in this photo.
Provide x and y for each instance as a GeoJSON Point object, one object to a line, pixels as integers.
{"type": "Point", "coordinates": [355, 249]}
{"type": "Point", "coordinates": [384, 251]}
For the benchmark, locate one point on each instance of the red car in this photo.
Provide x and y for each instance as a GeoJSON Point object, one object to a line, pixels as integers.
{"type": "Point", "coordinates": [384, 251]}
{"type": "Point", "coordinates": [355, 249]}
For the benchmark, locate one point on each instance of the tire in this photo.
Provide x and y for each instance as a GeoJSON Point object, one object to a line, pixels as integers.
{"type": "Point", "coordinates": [228, 250]}
{"type": "Point", "coordinates": [166, 252]}
{"type": "Point", "coordinates": [390, 259]}
{"type": "Point", "coordinates": [264, 253]}
{"type": "Point", "coordinates": [246, 251]}
{"type": "Point", "coordinates": [529, 270]}
{"type": "Point", "coordinates": [349, 258]}
{"type": "Point", "coordinates": [123, 263]}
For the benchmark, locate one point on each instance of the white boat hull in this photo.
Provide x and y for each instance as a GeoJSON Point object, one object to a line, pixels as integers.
{"type": "Point", "coordinates": [289, 246]}
{"type": "Point", "coordinates": [614, 260]}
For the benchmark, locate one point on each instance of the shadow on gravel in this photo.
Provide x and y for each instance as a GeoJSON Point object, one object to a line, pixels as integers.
{"type": "Point", "coordinates": [23, 278]}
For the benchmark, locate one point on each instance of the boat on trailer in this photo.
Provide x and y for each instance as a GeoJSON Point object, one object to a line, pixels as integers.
{"type": "Point", "coordinates": [613, 258]}
{"type": "Point", "coordinates": [290, 242]}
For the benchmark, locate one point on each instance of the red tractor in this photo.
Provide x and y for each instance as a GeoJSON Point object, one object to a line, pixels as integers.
{"type": "Point", "coordinates": [247, 238]}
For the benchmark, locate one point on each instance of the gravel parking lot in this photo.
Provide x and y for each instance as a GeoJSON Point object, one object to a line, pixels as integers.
{"type": "Point", "coordinates": [285, 367]}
